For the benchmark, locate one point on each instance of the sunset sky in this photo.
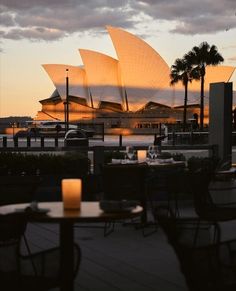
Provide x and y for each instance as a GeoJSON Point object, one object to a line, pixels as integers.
{"type": "Point", "coordinates": [36, 32]}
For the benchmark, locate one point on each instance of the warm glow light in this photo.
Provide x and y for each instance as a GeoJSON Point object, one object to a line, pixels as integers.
{"type": "Point", "coordinates": [103, 77]}
{"type": "Point", "coordinates": [136, 57]}
{"type": "Point", "coordinates": [71, 193]}
{"type": "Point", "coordinates": [142, 154]}
{"type": "Point", "coordinates": [78, 84]}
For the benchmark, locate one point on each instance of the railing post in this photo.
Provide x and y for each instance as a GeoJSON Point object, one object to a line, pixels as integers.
{"type": "Point", "coordinates": [103, 132]}
{"type": "Point", "coordinates": [173, 137]}
{"type": "Point", "coordinates": [4, 141]}
{"type": "Point", "coordinates": [120, 140]}
{"type": "Point", "coordinates": [98, 159]}
{"type": "Point", "coordinates": [191, 137]}
{"type": "Point", "coordinates": [42, 141]}
{"type": "Point", "coordinates": [56, 141]}
{"type": "Point", "coordinates": [28, 141]}
{"type": "Point", "coordinates": [15, 140]}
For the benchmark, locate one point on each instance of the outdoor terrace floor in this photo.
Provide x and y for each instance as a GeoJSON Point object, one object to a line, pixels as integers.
{"type": "Point", "coordinates": [124, 260]}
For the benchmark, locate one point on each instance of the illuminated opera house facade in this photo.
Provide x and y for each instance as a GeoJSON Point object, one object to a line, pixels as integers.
{"type": "Point", "coordinates": [131, 91]}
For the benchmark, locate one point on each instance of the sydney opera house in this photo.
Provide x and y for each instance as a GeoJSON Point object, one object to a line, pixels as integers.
{"type": "Point", "coordinates": [132, 90]}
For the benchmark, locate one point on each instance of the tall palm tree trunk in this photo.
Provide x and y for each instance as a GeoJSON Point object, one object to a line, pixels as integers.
{"type": "Point", "coordinates": [185, 106]}
{"type": "Point", "coordinates": [202, 103]}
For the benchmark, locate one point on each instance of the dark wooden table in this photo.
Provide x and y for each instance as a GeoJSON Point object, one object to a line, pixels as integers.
{"type": "Point", "coordinates": [89, 212]}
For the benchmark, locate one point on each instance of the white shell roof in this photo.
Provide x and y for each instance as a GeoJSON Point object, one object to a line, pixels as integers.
{"type": "Point", "coordinates": [143, 71]}
{"type": "Point", "coordinates": [77, 79]}
{"type": "Point", "coordinates": [102, 76]}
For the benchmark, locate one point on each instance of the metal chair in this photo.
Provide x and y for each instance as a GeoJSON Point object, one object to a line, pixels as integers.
{"type": "Point", "coordinates": [209, 264]}
{"type": "Point", "coordinates": [204, 206]}
{"type": "Point", "coordinates": [38, 271]}
{"type": "Point", "coordinates": [127, 182]}
{"type": "Point", "coordinates": [18, 189]}
{"type": "Point", "coordinates": [164, 186]}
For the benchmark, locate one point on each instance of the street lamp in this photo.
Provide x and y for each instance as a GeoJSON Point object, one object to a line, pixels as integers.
{"type": "Point", "coordinates": [13, 125]}
{"type": "Point", "coordinates": [67, 103]}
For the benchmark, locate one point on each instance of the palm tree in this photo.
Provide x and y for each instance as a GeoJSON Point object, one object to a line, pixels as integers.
{"type": "Point", "coordinates": [202, 56]}
{"type": "Point", "coordinates": [182, 70]}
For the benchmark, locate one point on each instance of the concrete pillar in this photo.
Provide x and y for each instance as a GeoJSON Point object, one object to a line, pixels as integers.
{"type": "Point", "coordinates": [98, 159]}
{"type": "Point", "coordinates": [220, 119]}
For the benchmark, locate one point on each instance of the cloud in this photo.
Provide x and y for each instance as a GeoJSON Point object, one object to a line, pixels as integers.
{"type": "Point", "coordinates": [55, 19]}
{"type": "Point", "coordinates": [232, 59]}
{"type": "Point", "coordinates": [35, 33]}
{"type": "Point", "coordinates": [38, 19]}
{"type": "Point", "coordinates": [193, 17]}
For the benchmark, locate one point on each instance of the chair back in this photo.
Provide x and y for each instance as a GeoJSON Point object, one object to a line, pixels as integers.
{"type": "Point", "coordinates": [124, 182]}
{"type": "Point", "coordinates": [12, 228]}
{"type": "Point", "coordinates": [199, 186]}
{"type": "Point", "coordinates": [17, 189]}
{"type": "Point", "coordinates": [198, 260]}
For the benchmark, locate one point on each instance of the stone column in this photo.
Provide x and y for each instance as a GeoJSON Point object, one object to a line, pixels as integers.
{"type": "Point", "coordinates": [220, 119]}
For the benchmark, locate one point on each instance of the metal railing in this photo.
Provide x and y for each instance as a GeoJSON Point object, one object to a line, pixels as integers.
{"type": "Point", "coordinates": [97, 153]}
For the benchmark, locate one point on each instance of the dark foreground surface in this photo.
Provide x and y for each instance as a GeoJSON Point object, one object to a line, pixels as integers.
{"type": "Point", "coordinates": [125, 260]}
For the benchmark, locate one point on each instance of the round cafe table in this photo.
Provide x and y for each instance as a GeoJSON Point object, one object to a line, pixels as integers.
{"type": "Point", "coordinates": [89, 212]}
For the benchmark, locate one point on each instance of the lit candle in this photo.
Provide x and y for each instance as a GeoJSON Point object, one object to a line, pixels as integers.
{"type": "Point", "coordinates": [142, 156]}
{"type": "Point", "coordinates": [71, 193]}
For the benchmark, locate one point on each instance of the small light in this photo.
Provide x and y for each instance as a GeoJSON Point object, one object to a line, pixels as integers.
{"type": "Point", "coordinates": [142, 154]}
{"type": "Point", "coordinates": [71, 193]}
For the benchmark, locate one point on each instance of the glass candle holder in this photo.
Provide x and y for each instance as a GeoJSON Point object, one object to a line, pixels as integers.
{"type": "Point", "coordinates": [71, 193]}
{"type": "Point", "coordinates": [142, 155]}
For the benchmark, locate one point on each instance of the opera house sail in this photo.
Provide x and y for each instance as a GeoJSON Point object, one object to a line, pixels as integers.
{"type": "Point", "coordinates": [144, 73]}
{"type": "Point", "coordinates": [103, 78]}
{"type": "Point", "coordinates": [130, 90]}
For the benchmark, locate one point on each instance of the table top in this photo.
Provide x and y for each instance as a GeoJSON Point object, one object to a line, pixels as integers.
{"type": "Point", "coordinates": [149, 163]}
{"type": "Point", "coordinates": [89, 212]}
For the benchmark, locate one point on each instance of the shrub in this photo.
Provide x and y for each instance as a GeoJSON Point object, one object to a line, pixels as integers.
{"type": "Point", "coordinates": [45, 164]}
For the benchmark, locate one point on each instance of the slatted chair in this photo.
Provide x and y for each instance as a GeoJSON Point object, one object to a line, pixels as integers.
{"type": "Point", "coordinates": [208, 264]}
{"type": "Point", "coordinates": [165, 186]}
{"type": "Point", "coordinates": [18, 189]}
{"type": "Point", "coordinates": [126, 182]}
{"type": "Point", "coordinates": [39, 271]}
{"type": "Point", "coordinates": [205, 208]}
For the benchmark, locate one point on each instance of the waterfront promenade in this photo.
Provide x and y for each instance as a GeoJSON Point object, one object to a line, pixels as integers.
{"type": "Point", "coordinates": [112, 140]}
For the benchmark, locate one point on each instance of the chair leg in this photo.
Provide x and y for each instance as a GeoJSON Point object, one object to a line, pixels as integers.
{"type": "Point", "coordinates": [147, 225]}
{"type": "Point", "coordinates": [30, 254]}
{"type": "Point", "coordinates": [109, 228]}
{"type": "Point", "coordinates": [196, 233]}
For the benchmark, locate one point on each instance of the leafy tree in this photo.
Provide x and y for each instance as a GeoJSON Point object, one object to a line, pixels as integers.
{"type": "Point", "coordinates": [183, 71]}
{"type": "Point", "coordinates": [200, 57]}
